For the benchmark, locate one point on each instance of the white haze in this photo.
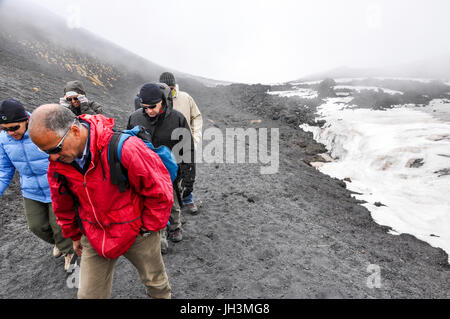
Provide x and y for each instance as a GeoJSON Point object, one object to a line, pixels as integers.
{"type": "Point", "coordinates": [266, 41]}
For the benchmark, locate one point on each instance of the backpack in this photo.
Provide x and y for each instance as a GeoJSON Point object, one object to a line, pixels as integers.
{"type": "Point", "coordinates": [118, 172]}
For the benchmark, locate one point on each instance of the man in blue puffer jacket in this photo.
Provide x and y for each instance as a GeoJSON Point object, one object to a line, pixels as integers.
{"type": "Point", "coordinates": [17, 151]}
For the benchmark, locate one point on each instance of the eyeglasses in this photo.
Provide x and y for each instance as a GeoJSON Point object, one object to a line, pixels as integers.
{"type": "Point", "coordinates": [58, 148]}
{"type": "Point", "coordinates": [11, 129]}
{"type": "Point", "coordinates": [69, 99]}
{"type": "Point", "coordinates": [149, 106]}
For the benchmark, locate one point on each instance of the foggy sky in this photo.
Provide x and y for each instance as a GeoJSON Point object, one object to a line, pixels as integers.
{"type": "Point", "coordinates": [266, 41]}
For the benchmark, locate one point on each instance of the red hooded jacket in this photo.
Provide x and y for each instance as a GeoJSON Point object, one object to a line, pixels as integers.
{"type": "Point", "coordinates": [111, 220]}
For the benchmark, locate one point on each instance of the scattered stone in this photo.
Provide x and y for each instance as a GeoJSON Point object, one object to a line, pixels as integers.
{"type": "Point", "coordinates": [433, 235]}
{"type": "Point", "coordinates": [315, 164]}
{"type": "Point", "coordinates": [443, 172]}
{"type": "Point", "coordinates": [378, 204]}
{"type": "Point", "coordinates": [320, 123]}
{"type": "Point", "coordinates": [326, 157]}
{"type": "Point", "coordinates": [415, 163]}
{"type": "Point", "coordinates": [348, 179]}
{"type": "Point", "coordinates": [341, 183]}
{"type": "Point", "coordinates": [439, 137]}
{"type": "Point", "coordinates": [314, 149]}
{"type": "Point", "coordinates": [302, 144]}
{"type": "Point", "coordinates": [210, 235]}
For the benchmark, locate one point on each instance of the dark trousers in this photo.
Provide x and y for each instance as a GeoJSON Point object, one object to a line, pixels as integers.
{"type": "Point", "coordinates": [42, 222]}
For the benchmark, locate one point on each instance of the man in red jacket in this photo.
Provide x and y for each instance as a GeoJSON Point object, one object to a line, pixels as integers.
{"type": "Point", "coordinates": [102, 222]}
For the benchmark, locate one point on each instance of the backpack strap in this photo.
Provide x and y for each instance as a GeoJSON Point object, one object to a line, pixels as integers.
{"type": "Point", "coordinates": [117, 171]}
{"type": "Point", "coordinates": [65, 190]}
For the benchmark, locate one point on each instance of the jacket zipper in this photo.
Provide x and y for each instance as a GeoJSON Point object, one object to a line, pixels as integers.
{"type": "Point", "coordinates": [93, 209]}
{"type": "Point", "coordinates": [22, 143]}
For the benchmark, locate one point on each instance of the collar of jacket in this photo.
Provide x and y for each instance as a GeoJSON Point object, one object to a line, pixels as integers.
{"type": "Point", "coordinates": [99, 135]}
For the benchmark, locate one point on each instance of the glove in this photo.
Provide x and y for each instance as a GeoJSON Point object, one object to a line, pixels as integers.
{"type": "Point", "coordinates": [82, 99]}
{"type": "Point", "coordinates": [64, 102]}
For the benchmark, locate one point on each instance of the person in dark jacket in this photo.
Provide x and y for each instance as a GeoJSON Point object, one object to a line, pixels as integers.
{"type": "Point", "coordinates": [75, 99]}
{"type": "Point", "coordinates": [168, 127]}
{"type": "Point", "coordinates": [17, 152]}
{"type": "Point", "coordinates": [185, 104]}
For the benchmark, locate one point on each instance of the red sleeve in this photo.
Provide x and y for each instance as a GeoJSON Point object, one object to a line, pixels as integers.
{"type": "Point", "coordinates": [149, 177]}
{"type": "Point", "coordinates": [64, 208]}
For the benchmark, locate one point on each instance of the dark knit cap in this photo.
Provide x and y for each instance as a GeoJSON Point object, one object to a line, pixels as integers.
{"type": "Point", "coordinates": [150, 93]}
{"type": "Point", "coordinates": [12, 111]}
{"type": "Point", "coordinates": [167, 78]}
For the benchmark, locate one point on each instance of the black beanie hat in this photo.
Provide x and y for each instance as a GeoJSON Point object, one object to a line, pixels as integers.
{"type": "Point", "coordinates": [167, 78]}
{"type": "Point", "coordinates": [12, 111]}
{"type": "Point", "coordinates": [150, 93]}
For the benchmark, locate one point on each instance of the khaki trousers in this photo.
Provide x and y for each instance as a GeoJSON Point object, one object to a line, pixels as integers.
{"type": "Point", "coordinates": [42, 222]}
{"type": "Point", "coordinates": [96, 273]}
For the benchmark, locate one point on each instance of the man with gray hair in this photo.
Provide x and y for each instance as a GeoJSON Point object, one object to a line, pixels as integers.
{"type": "Point", "coordinates": [103, 222]}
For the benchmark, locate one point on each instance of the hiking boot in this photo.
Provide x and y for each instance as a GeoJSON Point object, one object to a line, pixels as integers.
{"type": "Point", "coordinates": [56, 252]}
{"type": "Point", "coordinates": [164, 242]}
{"type": "Point", "coordinates": [190, 208]}
{"type": "Point", "coordinates": [177, 235]}
{"type": "Point", "coordinates": [70, 261]}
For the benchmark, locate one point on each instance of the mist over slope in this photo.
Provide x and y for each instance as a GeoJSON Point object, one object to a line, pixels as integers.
{"type": "Point", "coordinates": [37, 43]}
{"type": "Point", "coordinates": [437, 68]}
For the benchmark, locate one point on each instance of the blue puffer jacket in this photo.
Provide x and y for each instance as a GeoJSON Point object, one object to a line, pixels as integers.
{"type": "Point", "coordinates": [31, 163]}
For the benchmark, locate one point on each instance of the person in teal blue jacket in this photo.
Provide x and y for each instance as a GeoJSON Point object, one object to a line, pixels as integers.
{"type": "Point", "coordinates": [17, 152]}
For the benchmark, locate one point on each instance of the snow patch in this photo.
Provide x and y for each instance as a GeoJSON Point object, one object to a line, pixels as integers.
{"type": "Point", "coordinates": [373, 149]}
{"type": "Point", "coordinates": [300, 92]}
{"type": "Point", "coordinates": [360, 88]}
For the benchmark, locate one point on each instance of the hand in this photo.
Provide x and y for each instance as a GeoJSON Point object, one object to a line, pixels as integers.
{"type": "Point", "coordinates": [77, 247]}
{"type": "Point", "coordinates": [82, 99]}
{"type": "Point", "coordinates": [64, 102]}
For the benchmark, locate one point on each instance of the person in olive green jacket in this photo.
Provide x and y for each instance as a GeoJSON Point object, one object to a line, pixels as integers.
{"type": "Point", "coordinates": [75, 99]}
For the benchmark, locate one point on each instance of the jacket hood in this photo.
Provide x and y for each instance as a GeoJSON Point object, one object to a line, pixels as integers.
{"type": "Point", "coordinates": [168, 107]}
{"type": "Point", "coordinates": [76, 86]}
